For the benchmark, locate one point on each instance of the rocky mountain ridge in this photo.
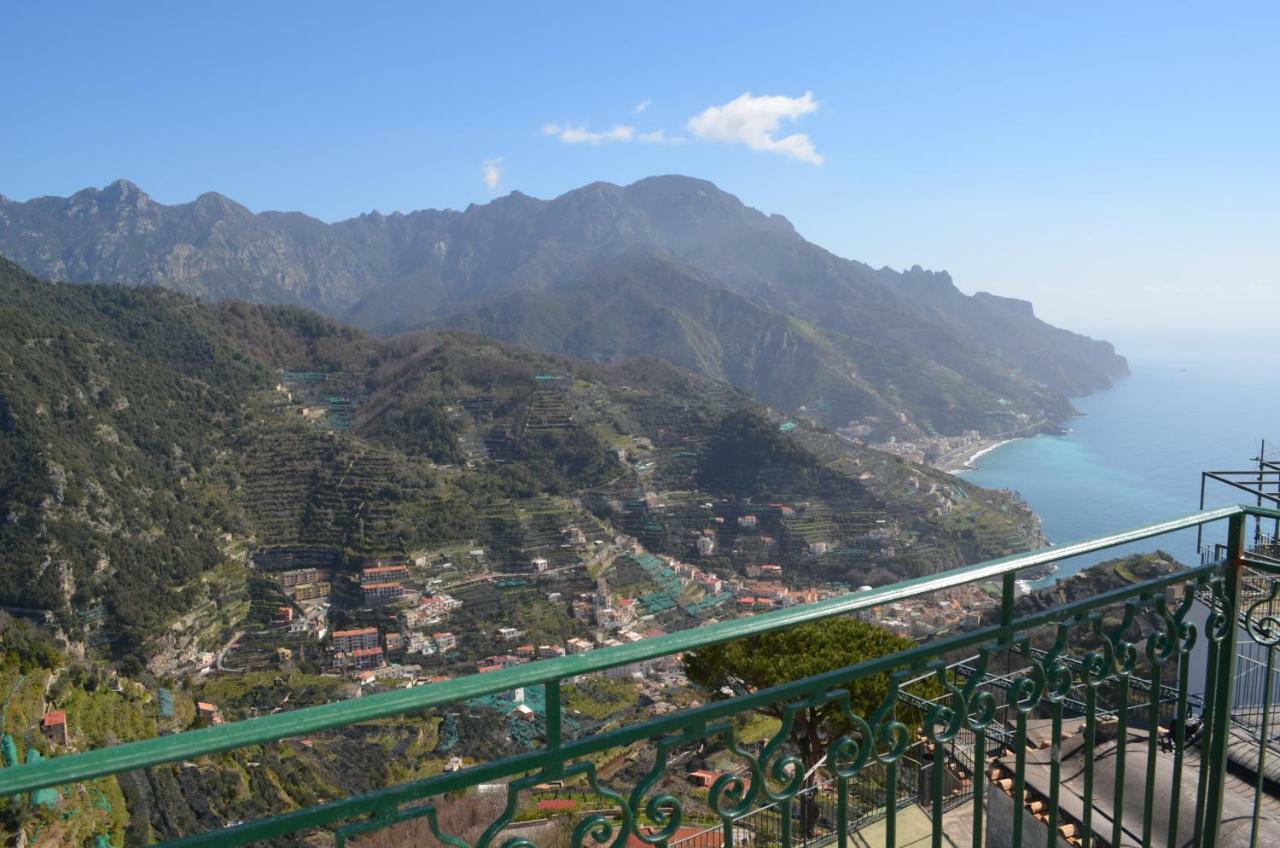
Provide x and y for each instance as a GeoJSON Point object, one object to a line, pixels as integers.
{"type": "Point", "coordinates": [907, 349]}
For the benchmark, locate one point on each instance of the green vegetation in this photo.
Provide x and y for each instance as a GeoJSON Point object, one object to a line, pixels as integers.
{"type": "Point", "coordinates": [256, 693]}
{"type": "Point", "coordinates": [150, 442]}
{"type": "Point", "coordinates": [771, 659]}
{"type": "Point", "coordinates": [114, 409]}
{"type": "Point", "coordinates": [25, 647]}
{"type": "Point", "coordinates": [600, 697]}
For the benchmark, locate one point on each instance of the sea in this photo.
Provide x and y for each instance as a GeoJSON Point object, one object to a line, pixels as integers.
{"type": "Point", "coordinates": [1135, 453]}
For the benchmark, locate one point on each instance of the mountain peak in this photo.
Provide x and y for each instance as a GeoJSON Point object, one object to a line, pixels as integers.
{"type": "Point", "coordinates": [123, 186]}
{"type": "Point", "coordinates": [678, 181]}
{"type": "Point", "coordinates": [219, 204]}
{"type": "Point", "coordinates": [125, 191]}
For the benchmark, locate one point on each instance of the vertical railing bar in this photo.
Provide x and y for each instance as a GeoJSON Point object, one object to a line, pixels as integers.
{"type": "Point", "coordinates": [939, 770]}
{"type": "Point", "coordinates": [1200, 527]}
{"type": "Point", "coordinates": [842, 811]}
{"type": "Point", "coordinates": [1008, 594]}
{"type": "Point", "coordinates": [891, 803]}
{"type": "Point", "coordinates": [1206, 716]}
{"type": "Point", "coordinates": [1019, 775]}
{"type": "Point", "coordinates": [979, 778]}
{"type": "Point", "coordinates": [1179, 743]}
{"type": "Point", "coordinates": [1090, 740]}
{"type": "Point", "coordinates": [1153, 734]}
{"type": "Point", "coordinates": [1263, 742]}
{"type": "Point", "coordinates": [1122, 734]}
{"type": "Point", "coordinates": [1055, 767]}
{"type": "Point", "coordinates": [1222, 689]}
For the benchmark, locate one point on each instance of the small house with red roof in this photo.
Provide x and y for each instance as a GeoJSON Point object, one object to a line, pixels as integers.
{"type": "Point", "coordinates": [702, 778]}
{"type": "Point", "coordinates": [208, 713]}
{"type": "Point", "coordinates": [54, 727]}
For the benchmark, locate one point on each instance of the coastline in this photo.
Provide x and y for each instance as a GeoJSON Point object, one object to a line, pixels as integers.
{"type": "Point", "coordinates": [968, 463]}
{"type": "Point", "coordinates": [959, 465]}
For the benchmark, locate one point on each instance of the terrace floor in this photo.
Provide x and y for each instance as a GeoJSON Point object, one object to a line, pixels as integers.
{"type": "Point", "coordinates": [1237, 812]}
{"type": "Point", "coordinates": [915, 828]}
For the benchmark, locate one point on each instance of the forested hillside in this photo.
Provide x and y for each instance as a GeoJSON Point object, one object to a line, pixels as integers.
{"type": "Point", "coordinates": [115, 410]}
{"type": "Point", "coordinates": [148, 440]}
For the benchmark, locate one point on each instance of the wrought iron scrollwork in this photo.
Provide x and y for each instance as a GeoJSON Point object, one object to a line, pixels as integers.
{"type": "Point", "coordinates": [664, 810]}
{"type": "Point", "coordinates": [1221, 613]}
{"type": "Point", "coordinates": [943, 721]}
{"type": "Point", "coordinates": [892, 737]}
{"type": "Point", "coordinates": [597, 826]}
{"type": "Point", "coordinates": [1262, 619]}
{"type": "Point", "coordinates": [1058, 675]}
{"type": "Point", "coordinates": [979, 704]}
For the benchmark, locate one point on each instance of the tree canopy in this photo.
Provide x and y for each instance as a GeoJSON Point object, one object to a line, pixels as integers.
{"type": "Point", "coordinates": [770, 659]}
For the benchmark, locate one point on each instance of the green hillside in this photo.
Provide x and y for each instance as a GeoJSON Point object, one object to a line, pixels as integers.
{"type": "Point", "coordinates": [152, 445]}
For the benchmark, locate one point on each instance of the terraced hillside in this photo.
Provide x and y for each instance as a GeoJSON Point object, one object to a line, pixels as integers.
{"type": "Point", "coordinates": [147, 439]}
{"type": "Point", "coordinates": [650, 450]}
{"type": "Point", "coordinates": [164, 462]}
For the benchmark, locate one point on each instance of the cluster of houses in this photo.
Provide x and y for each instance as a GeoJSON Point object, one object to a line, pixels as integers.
{"type": "Point", "coordinates": [709, 582]}
{"type": "Point", "coordinates": [931, 449]}
{"type": "Point", "coordinates": [307, 584]}
{"type": "Point", "coordinates": [358, 649]}
{"type": "Point", "coordinates": [383, 583]}
{"type": "Point", "coordinates": [762, 590]}
{"type": "Point", "coordinates": [599, 609]}
{"type": "Point", "coordinates": [379, 582]}
{"type": "Point", "coordinates": [577, 645]}
{"type": "Point", "coordinates": [365, 648]}
{"type": "Point", "coordinates": [958, 608]}
{"type": "Point", "coordinates": [614, 620]}
{"type": "Point", "coordinates": [430, 609]}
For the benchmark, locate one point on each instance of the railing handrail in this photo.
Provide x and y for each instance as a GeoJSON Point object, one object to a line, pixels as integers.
{"type": "Point", "coordinates": [264, 729]}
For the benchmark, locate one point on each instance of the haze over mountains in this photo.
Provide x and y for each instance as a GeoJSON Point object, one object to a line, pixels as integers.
{"type": "Point", "coordinates": [670, 266]}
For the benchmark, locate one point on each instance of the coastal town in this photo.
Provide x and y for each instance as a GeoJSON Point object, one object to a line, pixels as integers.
{"type": "Point", "coordinates": [947, 453]}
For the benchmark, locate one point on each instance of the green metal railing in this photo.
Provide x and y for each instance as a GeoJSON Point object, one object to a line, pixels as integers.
{"type": "Point", "coordinates": [1109, 652]}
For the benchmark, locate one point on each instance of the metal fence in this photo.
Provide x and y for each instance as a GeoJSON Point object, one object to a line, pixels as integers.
{"type": "Point", "coordinates": [1110, 680]}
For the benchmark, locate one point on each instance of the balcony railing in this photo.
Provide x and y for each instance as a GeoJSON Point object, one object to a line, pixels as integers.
{"type": "Point", "coordinates": [1109, 720]}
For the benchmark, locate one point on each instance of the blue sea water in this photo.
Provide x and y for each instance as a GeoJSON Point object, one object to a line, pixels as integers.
{"type": "Point", "coordinates": [1136, 453]}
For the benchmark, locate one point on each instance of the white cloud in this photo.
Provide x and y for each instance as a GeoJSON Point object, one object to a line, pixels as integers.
{"type": "Point", "coordinates": [582, 135]}
{"type": "Point", "coordinates": [755, 121]}
{"type": "Point", "coordinates": [616, 133]}
{"type": "Point", "coordinates": [491, 173]}
{"type": "Point", "coordinates": [659, 137]}
{"type": "Point", "coordinates": [643, 104]}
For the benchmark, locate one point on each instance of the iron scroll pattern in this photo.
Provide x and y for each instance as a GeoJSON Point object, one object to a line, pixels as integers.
{"type": "Point", "coordinates": [1087, 656]}
{"type": "Point", "coordinates": [1262, 617]}
{"type": "Point", "coordinates": [774, 775]}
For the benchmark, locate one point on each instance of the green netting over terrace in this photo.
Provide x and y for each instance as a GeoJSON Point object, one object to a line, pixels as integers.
{"type": "Point", "coordinates": [707, 603]}
{"type": "Point", "coordinates": [529, 732]}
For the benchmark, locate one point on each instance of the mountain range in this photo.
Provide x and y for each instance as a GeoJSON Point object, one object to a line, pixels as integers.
{"type": "Point", "coordinates": [670, 266]}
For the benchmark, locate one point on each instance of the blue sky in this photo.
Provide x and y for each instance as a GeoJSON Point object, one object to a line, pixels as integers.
{"type": "Point", "coordinates": [1118, 164]}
